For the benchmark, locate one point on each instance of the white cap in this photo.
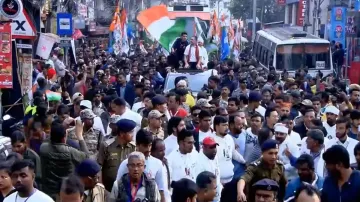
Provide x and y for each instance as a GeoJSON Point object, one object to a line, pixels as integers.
{"type": "Point", "coordinates": [76, 96]}
{"type": "Point", "coordinates": [281, 128]}
{"type": "Point", "coordinates": [332, 110]}
{"type": "Point", "coordinates": [200, 40]}
{"type": "Point", "coordinates": [86, 103]}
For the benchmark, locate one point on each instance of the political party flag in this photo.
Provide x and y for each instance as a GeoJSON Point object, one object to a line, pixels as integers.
{"type": "Point", "coordinates": [45, 44]}
{"type": "Point", "coordinates": [225, 48]}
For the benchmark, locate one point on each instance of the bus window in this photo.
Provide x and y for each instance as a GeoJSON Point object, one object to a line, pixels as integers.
{"type": "Point", "coordinates": [255, 48]}
{"type": "Point", "coordinates": [265, 57]}
{"type": "Point", "coordinates": [317, 53]}
{"type": "Point", "coordinates": [289, 57]}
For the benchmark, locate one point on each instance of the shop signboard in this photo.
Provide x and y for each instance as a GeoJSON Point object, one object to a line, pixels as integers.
{"type": "Point", "coordinates": [26, 67]}
{"type": "Point", "coordinates": [6, 76]}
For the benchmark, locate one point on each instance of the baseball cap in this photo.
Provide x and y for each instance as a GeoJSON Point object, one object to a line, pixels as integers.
{"type": "Point", "coordinates": [155, 114]}
{"type": "Point", "coordinates": [203, 103]}
{"type": "Point", "coordinates": [76, 96]}
{"type": "Point", "coordinates": [86, 103]}
{"type": "Point", "coordinates": [209, 141]}
{"type": "Point", "coordinates": [307, 102]}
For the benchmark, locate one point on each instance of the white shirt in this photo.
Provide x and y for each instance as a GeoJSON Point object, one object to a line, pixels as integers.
{"type": "Point", "coordinates": [166, 184]}
{"type": "Point", "coordinates": [225, 153]}
{"type": "Point", "coordinates": [137, 106]}
{"type": "Point", "coordinates": [192, 54]}
{"type": "Point", "coordinates": [349, 145]}
{"type": "Point", "coordinates": [261, 110]}
{"type": "Point", "coordinates": [319, 163]}
{"type": "Point", "coordinates": [206, 164]}
{"type": "Point", "coordinates": [153, 170]}
{"type": "Point", "coordinates": [128, 114]}
{"type": "Point", "coordinates": [182, 165]}
{"type": "Point", "coordinates": [295, 138]}
{"type": "Point", "coordinates": [36, 197]}
{"type": "Point", "coordinates": [171, 144]}
{"type": "Point", "coordinates": [203, 135]}
{"type": "Point", "coordinates": [331, 130]}
{"type": "Point", "coordinates": [290, 171]}
{"type": "Point", "coordinates": [204, 56]}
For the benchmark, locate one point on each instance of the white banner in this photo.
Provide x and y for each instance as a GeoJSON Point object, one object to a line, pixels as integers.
{"type": "Point", "coordinates": [46, 42]}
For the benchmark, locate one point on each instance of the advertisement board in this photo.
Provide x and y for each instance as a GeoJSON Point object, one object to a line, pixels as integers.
{"type": "Point", "coordinates": [337, 27]}
{"type": "Point", "coordinates": [6, 73]}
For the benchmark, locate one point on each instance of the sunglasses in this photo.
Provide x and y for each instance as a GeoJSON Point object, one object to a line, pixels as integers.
{"type": "Point", "coordinates": [196, 114]}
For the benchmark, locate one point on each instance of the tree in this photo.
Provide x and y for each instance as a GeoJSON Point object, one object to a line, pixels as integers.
{"type": "Point", "coordinates": [267, 10]}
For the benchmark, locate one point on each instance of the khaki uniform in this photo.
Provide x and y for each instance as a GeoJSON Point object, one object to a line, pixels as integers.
{"type": "Point", "coordinates": [257, 171]}
{"type": "Point", "coordinates": [98, 194]}
{"type": "Point", "coordinates": [159, 134]}
{"type": "Point", "coordinates": [111, 154]}
{"type": "Point", "coordinates": [93, 139]}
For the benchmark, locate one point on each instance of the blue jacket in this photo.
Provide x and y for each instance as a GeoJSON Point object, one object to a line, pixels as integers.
{"type": "Point", "coordinates": [130, 93]}
{"type": "Point", "coordinates": [296, 183]}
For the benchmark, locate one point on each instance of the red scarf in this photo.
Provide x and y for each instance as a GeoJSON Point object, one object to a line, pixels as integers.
{"type": "Point", "coordinates": [197, 54]}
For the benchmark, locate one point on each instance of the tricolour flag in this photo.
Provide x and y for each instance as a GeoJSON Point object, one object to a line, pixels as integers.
{"type": "Point", "coordinates": [158, 24]}
{"type": "Point", "coordinates": [53, 96]}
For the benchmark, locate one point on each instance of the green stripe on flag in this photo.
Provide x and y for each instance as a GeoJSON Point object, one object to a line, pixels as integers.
{"type": "Point", "coordinates": [169, 36]}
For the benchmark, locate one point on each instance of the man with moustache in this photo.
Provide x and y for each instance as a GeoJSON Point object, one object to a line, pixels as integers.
{"type": "Point", "coordinates": [306, 170]}
{"type": "Point", "coordinates": [342, 138]}
{"type": "Point", "coordinates": [207, 161]}
{"type": "Point", "coordinates": [337, 161]}
{"type": "Point", "coordinates": [266, 167]}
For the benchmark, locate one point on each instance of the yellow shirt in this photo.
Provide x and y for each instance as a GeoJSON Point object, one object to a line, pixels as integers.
{"type": "Point", "coordinates": [190, 101]}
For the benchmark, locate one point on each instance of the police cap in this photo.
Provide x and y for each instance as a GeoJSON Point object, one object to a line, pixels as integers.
{"type": "Point", "coordinates": [269, 144]}
{"type": "Point", "coordinates": [266, 184]}
{"type": "Point", "coordinates": [125, 125]}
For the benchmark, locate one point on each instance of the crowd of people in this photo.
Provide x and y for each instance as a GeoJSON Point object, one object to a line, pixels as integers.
{"type": "Point", "coordinates": [103, 130]}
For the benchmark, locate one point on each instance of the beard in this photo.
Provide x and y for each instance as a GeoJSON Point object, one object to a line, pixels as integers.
{"type": "Point", "coordinates": [340, 135]}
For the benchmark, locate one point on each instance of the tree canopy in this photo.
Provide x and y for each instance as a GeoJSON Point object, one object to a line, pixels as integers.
{"type": "Point", "coordinates": [267, 10]}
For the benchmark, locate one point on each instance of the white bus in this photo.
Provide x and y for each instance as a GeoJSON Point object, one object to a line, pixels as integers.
{"type": "Point", "coordinates": [291, 49]}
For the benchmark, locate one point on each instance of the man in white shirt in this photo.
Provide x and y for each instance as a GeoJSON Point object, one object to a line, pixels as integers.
{"type": "Point", "coordinates": [227, 151]}
{"type": "Point", "coordinates": [342, 138]}
{"type": "Point", "coordinates": [22, 175]}
{"type": "Point", "coordinates": [281, 135]}
{"type": "Point", "coordinates": [315, 146]}
{"type": "Point", "coordinates": [175, 125]}
{"type": "Point", "coordinates": [158, 151]}
{"type": "Point", "coordinates": [182, 161]}
{"type": "Point", "coordinates": [192, 55]}
{"type": "Point", "coordinates": [203, 53]}
{"type": "Point", "coordinates": [153, 166]}
{"type": "Point", "coordinates": [207, 161]}
{"type": "Point", "coordinates": [332, 114]}
{"type": "Point", "coordinates": [118, 105]}
{"type": "Point", "coordinates": [204, 128]}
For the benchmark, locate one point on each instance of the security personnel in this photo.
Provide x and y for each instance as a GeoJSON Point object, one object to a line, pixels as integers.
{"type": "Point", "coordinates": [265, 190]}
{"type": "Point", "coordinates": [88, 172]}
{"type": "Point", "coordinates": [266, 167]}
{"type": "Point", "coordinates": [114, 150]}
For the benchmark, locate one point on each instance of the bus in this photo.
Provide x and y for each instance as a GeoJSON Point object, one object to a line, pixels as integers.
{"type": "Point", "coordinates": [288, 48]}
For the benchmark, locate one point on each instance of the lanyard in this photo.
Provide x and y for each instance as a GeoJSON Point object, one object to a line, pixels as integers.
{"type": "Point", "coordinates": [27, 197]}
{"type": "Point", "coordinates": [174, 114]}
{"type": "Point", "coordinates": [133, 194]}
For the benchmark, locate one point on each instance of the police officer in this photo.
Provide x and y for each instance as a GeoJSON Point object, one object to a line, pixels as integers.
{"type": "Point", "coordinates": [265, 190]}
{"type": "Point", "coordinates": [114, 150]}
{"type": "Point", "coordinates": [266, 167]}
{"type": "Point", "coordinates": [88, 172]}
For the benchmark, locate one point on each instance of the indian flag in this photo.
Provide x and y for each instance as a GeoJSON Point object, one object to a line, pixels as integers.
{"type": "Point", "coordinates": [158, 24]}
{"type": "Point", "coordinates": [53, 96]}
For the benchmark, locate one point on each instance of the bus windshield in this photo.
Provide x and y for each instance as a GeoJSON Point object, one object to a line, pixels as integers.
{"type": "Point", "coordinates": [295, 56]}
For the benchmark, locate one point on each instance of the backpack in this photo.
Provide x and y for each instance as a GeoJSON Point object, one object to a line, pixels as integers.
{"type": "Point", "coordinates": [5, 147]}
